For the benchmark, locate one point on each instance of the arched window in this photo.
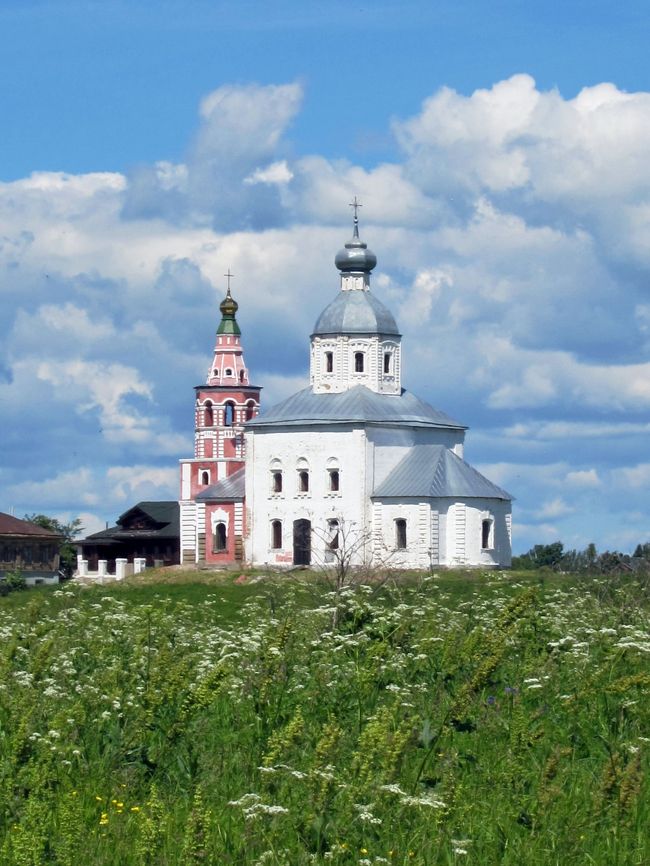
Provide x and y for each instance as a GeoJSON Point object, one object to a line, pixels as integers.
{"type": "Point", "coordinates": [208, 414]}
{"type": "Point", "coordinates": [276, 534]}
{"type": "Point", "coordinates": [227, 372]}
{"type": "Point", "coordinates": [358, 362]}
{"type": "Point", "coordinates": [229, 414]}
{"type": "Point", "coordinates": [220, 539]}
{"type": "Point", "coordinates": [329, 362]}
{"type": "Point", "coordinates": [241, 375]}
{"type": "Point", "coordinates": [334, 479]}
{"type": "Point", "coordinates": [303, 481]}
{"type": "Point", "coordinates": [486, 534]}
{"type": "Point", "coordinates": [400, 534]}
{"type": "Point", "coordinates": [276, 481]}
{"type": "Point", "coordinates": [250, 410]}
{"type": "Point", "coordinates": [386, 362]}
{"type": "Point", "coordinates": [205, 477]}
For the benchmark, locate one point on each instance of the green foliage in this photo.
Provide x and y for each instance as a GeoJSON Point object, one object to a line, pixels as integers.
{"type": "Point", "coordinates": [68, 532]}
{"type": "Point", "coordinates": [13, 581]}
{"type": "Point", "coordinates": [485, 720]}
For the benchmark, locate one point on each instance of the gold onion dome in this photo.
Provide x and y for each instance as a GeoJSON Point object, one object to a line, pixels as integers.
{"type": "Point", "coordinates": [228, 307]}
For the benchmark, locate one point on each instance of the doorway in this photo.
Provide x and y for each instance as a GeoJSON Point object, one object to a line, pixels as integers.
{"type": "Point", "coordinates": [301, 542]}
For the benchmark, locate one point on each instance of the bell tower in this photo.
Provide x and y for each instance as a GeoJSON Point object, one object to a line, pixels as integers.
{"type": "Point", "coordinates": [222, 406]}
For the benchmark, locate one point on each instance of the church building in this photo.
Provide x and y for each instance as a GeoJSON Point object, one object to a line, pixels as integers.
{"type": "Point", "coordinates": [352, 464]}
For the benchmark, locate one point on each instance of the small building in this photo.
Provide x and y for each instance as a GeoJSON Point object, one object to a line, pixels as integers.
{"type": "Point", "coordinates": [29, 549]}
{"type": "Point", "coordinates": [149, 531]}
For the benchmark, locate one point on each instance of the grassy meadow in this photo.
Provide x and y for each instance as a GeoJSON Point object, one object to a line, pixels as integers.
{"type": "Point", "coordinates": [484, 719]}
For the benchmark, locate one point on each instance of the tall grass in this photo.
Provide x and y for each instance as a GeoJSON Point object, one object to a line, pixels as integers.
{"type": "Point", "coordinates": [445, 721]}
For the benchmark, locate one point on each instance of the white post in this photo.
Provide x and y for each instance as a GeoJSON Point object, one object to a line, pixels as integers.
{"type": "Point", "coordinates": [102, 567]}
{"type": "Point", "coordinates": [120, 569]}
{"type": "Point", "coordinates": [139, 564]}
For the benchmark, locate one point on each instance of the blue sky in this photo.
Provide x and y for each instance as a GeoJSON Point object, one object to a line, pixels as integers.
{"type": "Point", "coordinates": [500, 151]}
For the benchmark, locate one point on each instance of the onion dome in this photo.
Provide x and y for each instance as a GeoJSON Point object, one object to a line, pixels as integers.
{"type": "Point", "coordinates": [228, 307]}
{"type": "Point", "coordinates": [355, 257]}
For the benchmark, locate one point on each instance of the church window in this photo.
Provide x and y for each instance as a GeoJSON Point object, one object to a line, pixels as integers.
{"type": "Point", "coordinates": [400, 534]}
{"type": "Point", "coordinates": [219, 539]}
{"type": "Point", "coordinates": [250, 410]}
{"type": "Point", "coordinates": [276, 534]}
{"type": "Point", "coordinates": [276, 482]}
{"type": "Point", "coordinates": [229, 414]}
{"type": "Point", "coordinates": [358, 362]}
{"type": "Point", "coordinates": [208, 414]}
{"type": "Point", "coordinates": [334, 479]}
{"type": "Point", "coordinates": [333, 534]}
{"type": "Point", "coordinates": [215, 372]}
{"type": "Point", "coordinates": [205, 477]}
{"type": "Point", "coordinates": [329, 362]}
{"type": "Point", "coordinates": [227, 372]}
{"type": "Point", "coordinates": [303, 481]}
{"type": "Point", "coordinates": [241, 375]}
{"type": "Point", "coordinates": [386, 362]}
{"type": "Point", "coordinates": [486, 534]}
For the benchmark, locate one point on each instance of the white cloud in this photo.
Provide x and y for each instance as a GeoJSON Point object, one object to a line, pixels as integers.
{"type": "Point", "coordinates": [554, 508]}
{"type": "Point", "coordinates": [583, 478]}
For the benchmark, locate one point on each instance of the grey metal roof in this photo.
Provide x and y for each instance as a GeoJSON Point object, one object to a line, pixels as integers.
{"type": "Point", "coordinates": [226, 490]}
{"type": "Point", "coordinates": [435, 471]}
{"type": "Point", "coordinates": [355, 312]}
{"type": "Point", "coordinates": [357, 405]}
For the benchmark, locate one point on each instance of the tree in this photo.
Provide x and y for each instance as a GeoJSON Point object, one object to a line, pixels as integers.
{"type": "Point", "coordinates": [68, 532]}
{"type": "Point", "coordinates": [540, 555]}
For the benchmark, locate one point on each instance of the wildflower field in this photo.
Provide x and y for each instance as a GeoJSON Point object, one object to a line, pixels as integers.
{"type": "Point", "coordinates": [450, 720]}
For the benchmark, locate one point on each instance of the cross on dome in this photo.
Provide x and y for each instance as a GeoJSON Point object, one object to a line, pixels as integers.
{"type": "Point", "coordinates": [356, 205]}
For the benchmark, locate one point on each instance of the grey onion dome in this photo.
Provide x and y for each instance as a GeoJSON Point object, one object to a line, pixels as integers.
{"type": "Point", "coordinates": [355, 313]}
{"type": "Point", "coordinates": [355, 257]}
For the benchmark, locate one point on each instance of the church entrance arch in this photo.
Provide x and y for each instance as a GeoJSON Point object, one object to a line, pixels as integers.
{"type": "Point", "coordinates": [301, 542]}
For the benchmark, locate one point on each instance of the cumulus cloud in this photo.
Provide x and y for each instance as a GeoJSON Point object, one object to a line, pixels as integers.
{"type": "Point", "coordinates": [512, 235]}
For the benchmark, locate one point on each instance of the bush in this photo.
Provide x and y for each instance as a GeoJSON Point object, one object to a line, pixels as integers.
{"type": "Point", "coordinates": [13, 582]}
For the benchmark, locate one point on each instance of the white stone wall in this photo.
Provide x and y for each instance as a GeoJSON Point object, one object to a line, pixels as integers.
{"type": "Point", "coordinates": [292, 451]}
{"type": "Point", "coordinates": [442, 532]}
{"type": "Point", "coordinates": [343, 374]}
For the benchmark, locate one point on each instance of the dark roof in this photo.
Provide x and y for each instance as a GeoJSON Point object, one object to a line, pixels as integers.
{"type": "Point", "coordinates": [10, 525]}
{"type": "Point", "coordinates": [164, 511]}
{"type": "Point", "coordinates": [227, 490]}
{"type": "Point", "coordinates": [356, 405]}
{"type": "Point", "coordinates": [431, 471]}
{"type": "Point", "coordinates": [166, 514]}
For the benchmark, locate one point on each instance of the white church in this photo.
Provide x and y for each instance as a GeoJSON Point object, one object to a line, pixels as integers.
{"type": "Point", "coordinates": [352, 462]}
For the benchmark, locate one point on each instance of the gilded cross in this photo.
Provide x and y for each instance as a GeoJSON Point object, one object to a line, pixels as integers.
{"type": "Point", "coordinates": [229, 275]}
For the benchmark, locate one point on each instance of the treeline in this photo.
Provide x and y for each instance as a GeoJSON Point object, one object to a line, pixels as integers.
{"type": "Point", "coordinates": [555, 558]}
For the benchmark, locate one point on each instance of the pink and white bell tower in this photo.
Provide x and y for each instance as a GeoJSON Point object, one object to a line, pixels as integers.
{"type": "Point", "coordinates": [211, 508]}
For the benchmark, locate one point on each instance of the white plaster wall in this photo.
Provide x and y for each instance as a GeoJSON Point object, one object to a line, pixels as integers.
{"type": "Point", "coordinates": [464, 520]}
{"type": "Point", "coordinates": [443, 532]}
{"type": "Point", "coordinates": [316, 446]}
{"type": "Point", "coordinates": [343, 375]}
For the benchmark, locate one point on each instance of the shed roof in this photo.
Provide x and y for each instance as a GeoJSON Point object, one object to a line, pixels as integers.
{"type": "Point", "coordinates": [227, 490]}
{"type": "Point", "coordinates": [432, 471]}
{"type": "Point", "coordinates": [356, 405]}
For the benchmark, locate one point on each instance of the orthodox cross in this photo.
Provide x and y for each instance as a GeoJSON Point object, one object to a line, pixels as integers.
{"type": "Point", "coordinates": [229, 275]}
{"type": "Point", "coordinates": [356, 205]}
